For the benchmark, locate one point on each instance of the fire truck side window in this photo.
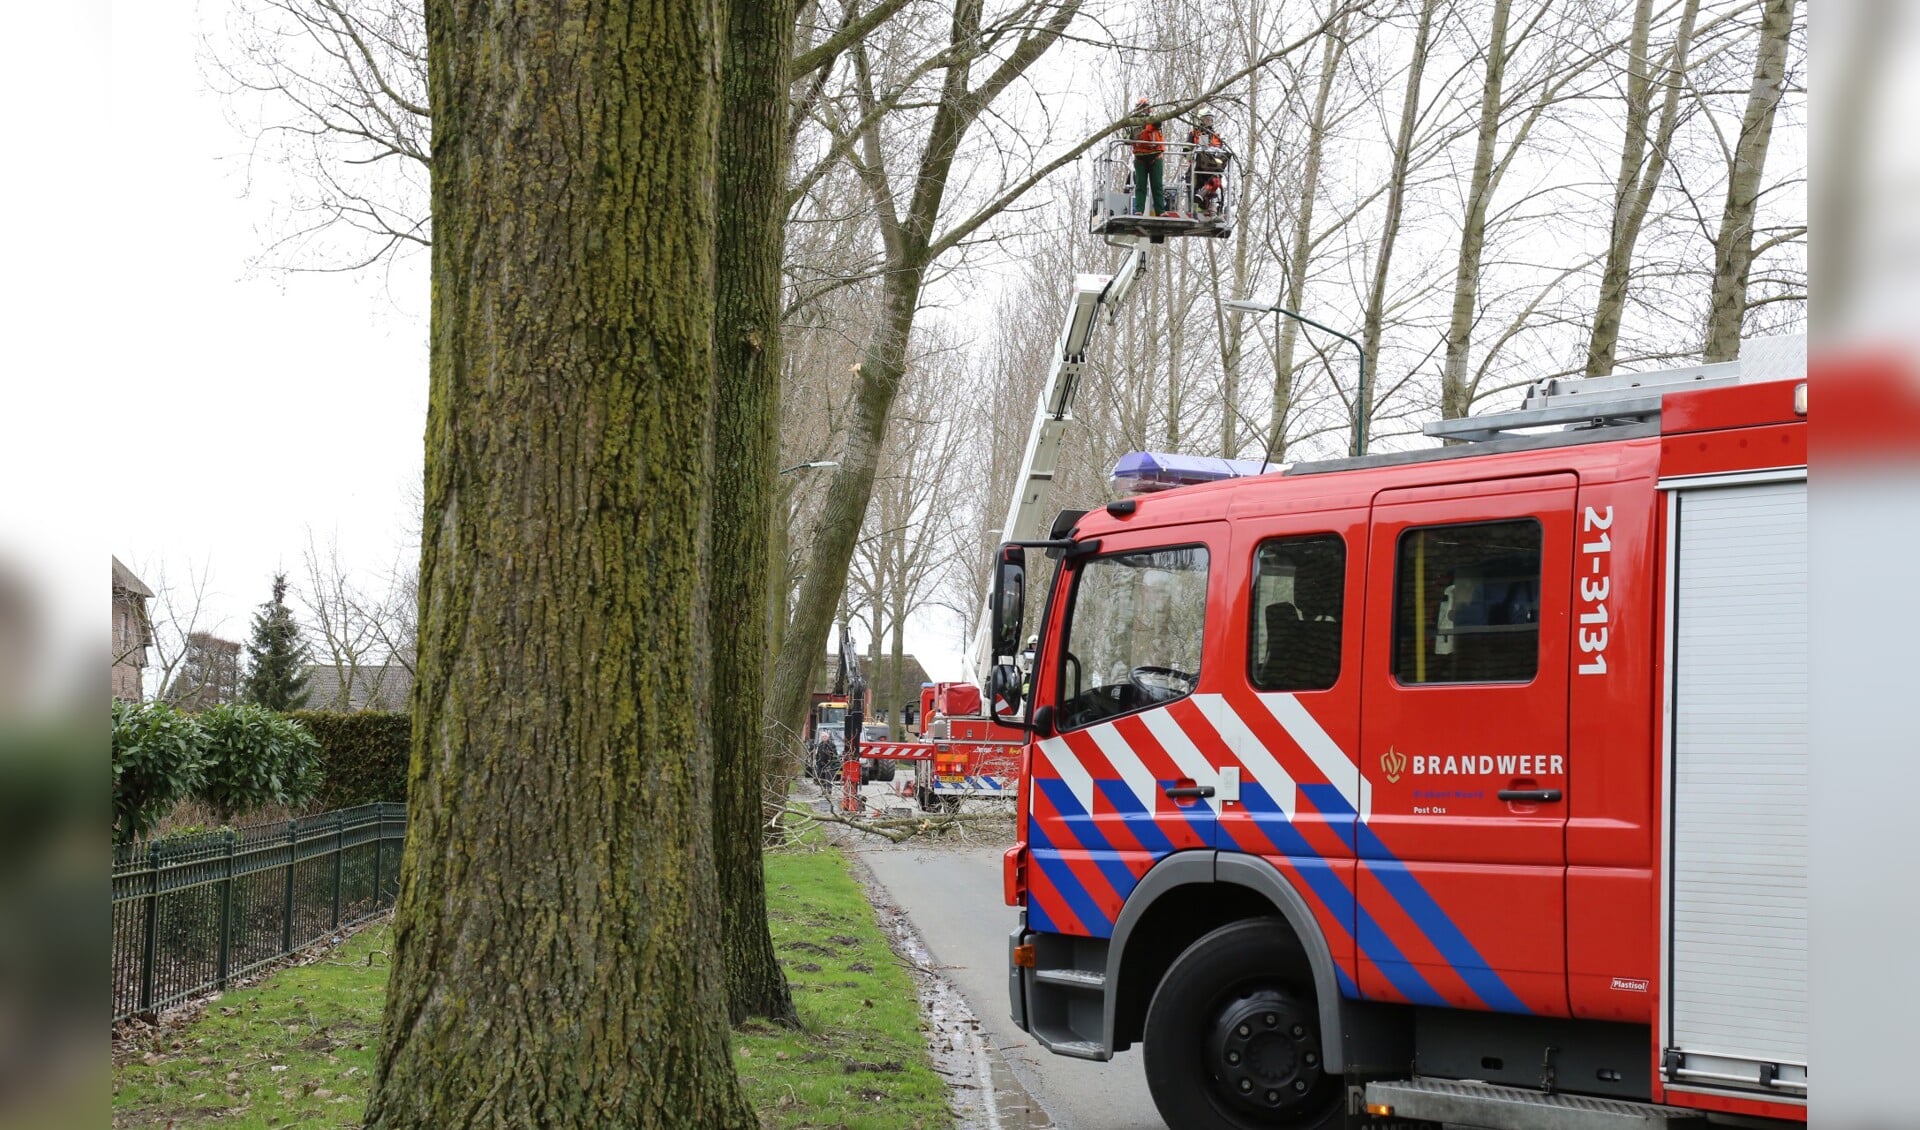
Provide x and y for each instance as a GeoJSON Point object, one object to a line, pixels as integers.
{"type": "Point", "coordinates": [1466, 605]}
{"type": "Point", "coordinates": [1299, 592]}
{"type": "Point", "coordinates": [1134, 637]}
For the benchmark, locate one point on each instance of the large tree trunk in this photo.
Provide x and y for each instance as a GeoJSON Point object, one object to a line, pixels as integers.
{"type": "Point", "coordinates": [1643, 159]}
{"type": "Point", "coordinates": [747, 254]}
{"type": "Point", "coordinates": [553, 946]}
{"type": "Point", "coordinates": [1456, 390]}
{"type": "Point", "coordinates": [1733, 249]}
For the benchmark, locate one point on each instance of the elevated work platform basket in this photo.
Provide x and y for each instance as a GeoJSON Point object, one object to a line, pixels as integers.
{"type": "Point", "coordinates": [1197, 183]}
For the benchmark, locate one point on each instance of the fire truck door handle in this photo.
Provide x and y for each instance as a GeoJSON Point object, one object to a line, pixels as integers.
{"type": "Point", "coordinates": [1531, 796]}
{"type": "Point", "coordinates": [1190, 791]}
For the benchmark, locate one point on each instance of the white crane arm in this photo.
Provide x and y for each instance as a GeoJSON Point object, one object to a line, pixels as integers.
{"type": "Point", "coordinates": [1030, 511]}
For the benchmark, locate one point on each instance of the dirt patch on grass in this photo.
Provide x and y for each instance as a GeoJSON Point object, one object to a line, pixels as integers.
{"type": "Point", "coordinates": [170, 1116]}
{"type": "Point", "coordinates": [854, 1067]}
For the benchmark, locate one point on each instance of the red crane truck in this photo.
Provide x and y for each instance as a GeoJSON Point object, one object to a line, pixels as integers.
{"type": "Point", "coordinates": [1463, 785]}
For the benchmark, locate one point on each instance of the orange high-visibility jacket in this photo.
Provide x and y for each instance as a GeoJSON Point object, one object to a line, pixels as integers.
{"type": "Point", "coordinates": [1207, 155]}
{"type": "Point", "coordinates": [1149, 141]}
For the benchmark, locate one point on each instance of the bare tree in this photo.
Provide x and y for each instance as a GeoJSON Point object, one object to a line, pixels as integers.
{"type": "Point", "coordinates": [1643, 158]}
{"type": "Point", "coordinates": [1373, 323]}
{"type": "Point", "coordinates": [1455, 396]}
{"type": "Point", "coordinates": [178, 611]}
{"type": "Point", "coordinates": [209, 673]}
{"type": "Point", "coordinates": [1570, 54]}
{"type": "Point", "coordinates": [1300, 247]}
{"type": "Point", "coordinates": [909, 536]}
{"type": "Point", "coordinates": [1733, 249]}
{"type": "Point", "coordinates": [909, 204]}
{"type": "Point", "coordinates": [335, 92]}
{"type": "Point", "coordinates": [395, 614]}
{"type": "Point", "coordinates": [349, 631]}
{"type": "Point", "coordinates": [908, 210]}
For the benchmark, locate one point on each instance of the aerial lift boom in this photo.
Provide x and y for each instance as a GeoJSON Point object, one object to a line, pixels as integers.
{"type": "Point", "coordinates": [1030, 511]}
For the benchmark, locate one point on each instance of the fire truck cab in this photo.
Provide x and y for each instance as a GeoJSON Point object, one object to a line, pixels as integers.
{"type": "Point", "coordinates": [1463, 785]}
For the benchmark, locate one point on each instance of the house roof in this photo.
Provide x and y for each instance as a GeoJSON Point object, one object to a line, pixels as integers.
{"type": "Point", "coordinates": [125, 581]}
{"type": "Point", "coordinates": [376, 686]}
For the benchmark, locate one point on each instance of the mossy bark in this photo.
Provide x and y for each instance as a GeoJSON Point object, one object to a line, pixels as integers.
{"type": "Point", "coordinates": [751, 192]}
{"type": "Point", "coordinates": [553, 957]}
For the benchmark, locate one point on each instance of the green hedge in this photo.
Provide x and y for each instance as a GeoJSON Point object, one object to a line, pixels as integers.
{"type": "Point", "coordinates": [159, 758]}
{"type": "Point", "coordinates": [363, 756]}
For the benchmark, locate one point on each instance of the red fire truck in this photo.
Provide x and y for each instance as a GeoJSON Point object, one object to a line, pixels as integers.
{"type": "Point", "coordinates": [967, 753]}
{"type": "Point", "coordinates": [1463, 785]}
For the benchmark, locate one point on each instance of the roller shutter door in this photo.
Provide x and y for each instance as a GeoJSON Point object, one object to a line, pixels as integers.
{"type": "Point", "coordinates": [1738, 836]}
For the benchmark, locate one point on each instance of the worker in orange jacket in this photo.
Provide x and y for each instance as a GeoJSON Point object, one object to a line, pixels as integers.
{"type": "Point", "coordinates": [1209, 156]}
{"type": "Point", "coordinates": [1149, 162]}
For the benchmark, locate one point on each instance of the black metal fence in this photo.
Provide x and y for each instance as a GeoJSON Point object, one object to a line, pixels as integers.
{"type": "Point", "coordinates": [190, 913]}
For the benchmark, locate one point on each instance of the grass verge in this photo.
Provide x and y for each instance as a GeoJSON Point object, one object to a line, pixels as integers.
{"type": "Point", "coordinates": [298, 1049]}
{"type": "Point", "coordinates": [861, 1061]}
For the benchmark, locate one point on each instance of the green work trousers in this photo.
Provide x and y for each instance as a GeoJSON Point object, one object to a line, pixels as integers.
{"type": "Point", "coordinates": [1148, 169]}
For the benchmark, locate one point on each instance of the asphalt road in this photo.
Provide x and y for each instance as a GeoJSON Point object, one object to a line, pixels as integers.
{"type": "Point", "coordinates": [953, 898]}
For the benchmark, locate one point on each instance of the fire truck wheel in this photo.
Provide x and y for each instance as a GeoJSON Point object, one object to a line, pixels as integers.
{"type": "Point", "coordinates": [1233, 1042]}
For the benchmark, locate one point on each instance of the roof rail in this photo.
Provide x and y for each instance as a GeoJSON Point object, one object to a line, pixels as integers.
{"type": "Point", "coordinates": [1578, 403]}
{"type": "Point", "coordinates": [1589, 409]}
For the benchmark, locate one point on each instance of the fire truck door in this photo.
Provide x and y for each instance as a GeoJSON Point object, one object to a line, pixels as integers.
{"type": "Point", "coordinates": [1129, 773]}
{"type": "Point", "coordinates": [1290, 719]}
{"type": "Point", "coordinates": [1462, 877]}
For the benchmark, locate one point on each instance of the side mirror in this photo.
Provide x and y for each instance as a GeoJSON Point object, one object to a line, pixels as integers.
{"type": "Point", "coordinates": [1009, 600]}
{"type": "Point", "coordinates": [1005, 694]}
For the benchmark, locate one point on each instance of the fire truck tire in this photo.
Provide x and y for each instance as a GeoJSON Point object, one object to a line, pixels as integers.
{"type": "Point", "coordinates": [1233, 1040]}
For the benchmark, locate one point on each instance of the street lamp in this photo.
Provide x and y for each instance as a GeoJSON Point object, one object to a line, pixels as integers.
{"type": "Point", "coordinates": [810, 464]}
{"type": "Point", "coordinates": [1360, 404]}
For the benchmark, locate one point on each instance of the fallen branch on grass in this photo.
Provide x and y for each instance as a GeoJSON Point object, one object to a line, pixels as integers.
{"type": "Point", "coordinates": [894, 829]}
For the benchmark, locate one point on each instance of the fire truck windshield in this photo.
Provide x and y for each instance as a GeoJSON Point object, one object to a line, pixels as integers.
{"type": "Point", "coordinates": [1134, 633]}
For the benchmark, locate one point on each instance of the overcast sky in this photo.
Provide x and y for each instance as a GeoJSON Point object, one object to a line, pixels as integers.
{"type": "Point", "coordinates": [265, 403]}
{"type": "Point", "coordinates": [256, 405]}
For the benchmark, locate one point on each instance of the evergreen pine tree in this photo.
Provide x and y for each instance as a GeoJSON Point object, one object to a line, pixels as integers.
{"type": "Point", "coordinates": [277, 656]}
